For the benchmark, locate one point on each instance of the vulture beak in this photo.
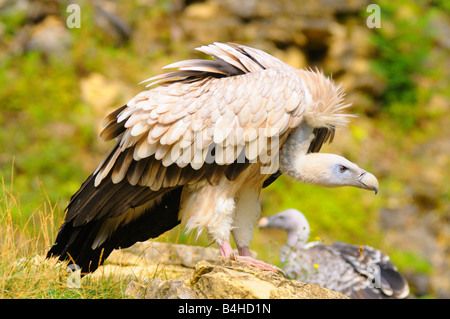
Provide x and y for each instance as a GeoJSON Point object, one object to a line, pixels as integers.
{"type": "Point", "coordinates": [368, 181]}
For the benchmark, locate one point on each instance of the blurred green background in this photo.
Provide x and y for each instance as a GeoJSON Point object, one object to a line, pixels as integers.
{"type": "Point", "coordinates": [58, 83]}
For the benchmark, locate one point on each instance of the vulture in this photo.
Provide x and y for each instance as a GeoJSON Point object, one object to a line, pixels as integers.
{"type": "Point", "coordinates": [355, 271]}
{"type": "Point", "coordinates": [198, 146]}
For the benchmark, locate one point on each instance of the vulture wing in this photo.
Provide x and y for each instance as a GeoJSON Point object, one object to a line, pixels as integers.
{"type": "Point", "coordinates": [374, 264]}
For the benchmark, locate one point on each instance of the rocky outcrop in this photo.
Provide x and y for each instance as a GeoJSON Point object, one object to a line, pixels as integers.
{"type": "Point", "coordinates": [172, 271]}
{"type": "Point", "coordinates": [153, 259]}
{"type": "Point", "coordinates": [165, 253]}
{"type": "Point", "coordinates": [227, 279]}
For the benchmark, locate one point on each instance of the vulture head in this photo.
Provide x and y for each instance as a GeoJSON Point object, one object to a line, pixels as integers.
{"type": "Point", "coordinates": [293, 222]}
{"type": "Point", "coordinates": [299, 156]}
{"type": "Point", "coordinates": [329, 170]}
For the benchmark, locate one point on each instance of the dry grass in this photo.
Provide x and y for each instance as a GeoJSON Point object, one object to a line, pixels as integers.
{"type": "Point", "coordinates": [24, 241]}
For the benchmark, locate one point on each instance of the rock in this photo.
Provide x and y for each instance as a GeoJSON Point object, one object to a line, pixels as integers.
{"type": "Point", "coordinates": [50, 37]}
{"type": "Point", "coordinates": [140, 272]}
{"type": "Point", "coordinates": [227, 279]}
{"type": "Point", "coordinates": [202, 10]}
{"type": "Point", "coordinates": [152, 259]}
{"type": "Point", "coordinates": [102, 95]}
{"type": "Point", "coordinates": [143, 253]}
{"type": "Point", "coordinates": [345, 6]}
{"type": "Point", "coordinates": [135, 290]}
{"type": "Point", "coordinates": [292, 56]}
{"type": "Point", "coordinates": [170, 289]}
{"type": "Point", "coordinates": [100, 92]}
{"type": "Point", "coordinates": [111, 23]}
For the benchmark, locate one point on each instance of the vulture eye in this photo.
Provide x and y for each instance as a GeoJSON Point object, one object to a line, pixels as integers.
{"type": "Point", "coordinates": [342, 169]}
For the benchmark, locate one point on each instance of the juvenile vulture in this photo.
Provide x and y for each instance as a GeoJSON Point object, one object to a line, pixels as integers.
{"type": "Point", "coordinates": [357, 272]}
{"type": "Point", "coordinates": [199, 146]}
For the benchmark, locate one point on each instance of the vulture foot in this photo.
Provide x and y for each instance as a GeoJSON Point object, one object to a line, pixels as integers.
{"type": "Point", "coordinates": [258, 264]}
{"type": "Point", "coordinates": [244, 256]}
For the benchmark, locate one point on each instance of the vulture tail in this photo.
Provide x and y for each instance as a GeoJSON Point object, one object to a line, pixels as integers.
{"type": "Point", "coordinates": [99, 220]}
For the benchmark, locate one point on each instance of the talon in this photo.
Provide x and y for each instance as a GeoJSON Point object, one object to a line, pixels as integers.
{"type": "Point", "coordinates": [260, 264]}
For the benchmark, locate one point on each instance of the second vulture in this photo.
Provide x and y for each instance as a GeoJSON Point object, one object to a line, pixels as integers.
{"type": "Point", "coordinates": [360, 272]}
{"type": "Point", "coordinates": [198, 147]}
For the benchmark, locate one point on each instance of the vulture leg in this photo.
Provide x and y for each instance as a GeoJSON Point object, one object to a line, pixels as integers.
{"type": "Point", "coordinates": [226, 250]}
{"type": "Point", "coordinates": [244, 251]}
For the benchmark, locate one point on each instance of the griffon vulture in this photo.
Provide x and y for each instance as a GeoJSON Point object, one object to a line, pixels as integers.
{"type": "Point", "coordinates": [357, 272]}
{"type": "Point", "coordinates": [199, 146]}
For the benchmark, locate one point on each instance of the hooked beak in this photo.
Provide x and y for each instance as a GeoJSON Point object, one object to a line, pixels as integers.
{"type": "Point", "coordinates": [368, 181]}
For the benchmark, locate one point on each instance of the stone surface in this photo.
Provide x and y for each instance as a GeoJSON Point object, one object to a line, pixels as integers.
{"type": "Point", "coordinates": [226, 279]}
{"type": "Point", "coordinates": [165, 253]}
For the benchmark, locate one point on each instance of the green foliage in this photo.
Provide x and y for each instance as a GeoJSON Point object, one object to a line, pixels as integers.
{"type": "Point", "coordinates": [410, 261]}
{"type": "Point", "coordinates": [42, 124]}
{"type": "Point", "coordinates": [404, 44]}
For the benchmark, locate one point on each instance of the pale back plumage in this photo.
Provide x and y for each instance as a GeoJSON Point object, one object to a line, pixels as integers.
{"type": "Point", "coordinates": [229, 107]}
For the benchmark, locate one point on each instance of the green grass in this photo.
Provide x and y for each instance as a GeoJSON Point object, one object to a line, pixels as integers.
{"type": "Point", "coordinates": [24, 241]}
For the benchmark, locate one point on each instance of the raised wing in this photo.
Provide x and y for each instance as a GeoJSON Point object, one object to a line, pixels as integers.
{"type": "Point", "coordinates": [201, 115]}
